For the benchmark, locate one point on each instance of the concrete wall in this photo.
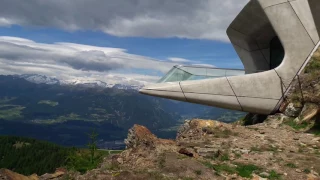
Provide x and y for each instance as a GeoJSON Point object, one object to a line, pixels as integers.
{"type": "Point", "coordinates": [295, 22]}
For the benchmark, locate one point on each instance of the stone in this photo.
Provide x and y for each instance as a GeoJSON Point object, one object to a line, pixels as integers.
{"type": "Point", "coordinates": [206, 151]}
{"type": "Point", "coordinates": [10, 175]}
{"type": "Point", "coordinates": [57, 174]}
{"type": "Point", "coordinates": [292, 111]}
{"type": "Point", "coordinates": [186, 151]}
{"type": "Point", "coordinates": [256, 177]}
{"type": "Point", "coordinates": [308, 112]}
{"type": "Point", "coordinates": [314, 173]}
{"type": "Point", "coordinates": [141, 137]}
{"type": "Point", "coordinates": [316, 139]}
{"type": "Point", "coordinates": [265, 174]}
{"type": "Point", "coordinates": [312, 177]}
{"type": "Point", "coordinates": [298, 171]}
{"type": "Point", "coordinates": [120, 160]}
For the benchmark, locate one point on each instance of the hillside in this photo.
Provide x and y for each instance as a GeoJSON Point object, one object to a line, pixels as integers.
{"type": "Point", "coordinates": [30, 156]}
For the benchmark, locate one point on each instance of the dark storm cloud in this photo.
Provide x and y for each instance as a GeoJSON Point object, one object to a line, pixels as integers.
{"type": "Point", "coordinates": [204, 19]}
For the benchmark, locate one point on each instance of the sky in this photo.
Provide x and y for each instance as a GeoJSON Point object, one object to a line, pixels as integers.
{"type": "Point", "coordinates": [116, 41]}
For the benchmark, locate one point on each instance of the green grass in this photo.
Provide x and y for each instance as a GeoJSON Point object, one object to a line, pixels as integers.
{"type": "Point", "coordinates": [243, 170]}
{"type": "Point", "coordinates": [295, 125]}
{"type": "Point", "coordinates": [307, 171]}
{"type": "Point", "coordinates": [274, 175]}
{"type": "Point", "coordinates": [313, 66]}
{"type": "Point", "coordinates": [291, 165]}
{"type": "Point", "coordinates": [224, 157]}
{"type": "Point", "coordinates": [6, 99]}
{"type": "Point", "coordinates": [61, 119]}
{"type": "Point", "coordinates": [80, 161]}
{"type": "Point", "coordinates": [48, 102]}
{"type": "Point", "coordinates": [246, 170]}
{"type": "Point", "coordinates": [12, 113]}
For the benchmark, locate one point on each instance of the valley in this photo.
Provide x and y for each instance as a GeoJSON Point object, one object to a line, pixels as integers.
{"type": "Point", "coordinates": [63, 114]}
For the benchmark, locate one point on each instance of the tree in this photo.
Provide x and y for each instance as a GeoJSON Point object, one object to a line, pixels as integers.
{"type": "Point", "coordinates": [92, 144]}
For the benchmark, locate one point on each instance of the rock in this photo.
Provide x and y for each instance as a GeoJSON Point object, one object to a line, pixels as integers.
{"type": "Point", "coordinates": [52, 176]}
{"type": "Point", "coordinates": [308, 112]}
{"type": "Point", "coordinates": [141, 137]}
{"type": "Point", "coordinates": [187, 152]}
{"type": "Point", "coordinates": [256, 177]}
{"type": "Point", "coordinates": [120, 160]}
{"type": "Point", "coordinates": [265, 174]}
{"type": "Point", "coordinates": [6, 174]}
{"type": "Point", "coordinates": [206, 151]}
{"type": "Point", "coordinates": [292, 111]}
{"type": "Point", "coordinates": [316, 139]}
{"type": "Point", "coordinates": [197, 128]}
{"type": "Point", "coordinates": [312, 177]}
{"type": "Point", "coordinates": [314, 173]}
{"type": "Point", "coordinates": [302, 144]}
{"type": "Point", "coordinates": [298, 171]}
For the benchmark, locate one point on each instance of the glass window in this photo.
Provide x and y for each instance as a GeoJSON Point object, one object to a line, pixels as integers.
{"type": "Point", "coordinates": [175, 74]}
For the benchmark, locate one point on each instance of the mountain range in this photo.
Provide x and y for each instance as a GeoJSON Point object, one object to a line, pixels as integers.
{"type": "Point", "coordinates": [41, 79]}
{"type": "Point", "coordinates": [45, 108]}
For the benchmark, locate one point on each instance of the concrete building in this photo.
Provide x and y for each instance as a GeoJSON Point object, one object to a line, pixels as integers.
{"type": "Point", "coordinates": [274, 40]}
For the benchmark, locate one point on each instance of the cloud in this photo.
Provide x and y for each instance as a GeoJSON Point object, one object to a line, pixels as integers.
{"type": "Point", "coordinates": [175, 59]}
{"type": "Point", "coordinates": [194, 19]}
{"type": "Point", "coordinates": [69, 62]}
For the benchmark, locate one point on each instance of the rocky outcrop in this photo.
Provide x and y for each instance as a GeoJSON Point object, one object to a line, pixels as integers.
{"type": "Point", "coordinates": [210, 150]}
{"type": "Point", "coordinates": [140, 137]}
{"type": "Point", "coordinates": [196, 128]}
{"type": "Point", "coordinates": [6, 174]}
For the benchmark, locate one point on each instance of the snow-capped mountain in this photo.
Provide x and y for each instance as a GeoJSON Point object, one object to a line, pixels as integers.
{"type": "Point", "coordinates": [41, 79]}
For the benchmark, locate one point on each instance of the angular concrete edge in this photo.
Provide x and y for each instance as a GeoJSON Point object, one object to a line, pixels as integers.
{"type": "Point", "coordinates": [295, 24]}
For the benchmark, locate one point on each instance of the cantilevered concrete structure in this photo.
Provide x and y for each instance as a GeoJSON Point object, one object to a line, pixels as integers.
{"type": "Point", "coordinates": [273, 38]}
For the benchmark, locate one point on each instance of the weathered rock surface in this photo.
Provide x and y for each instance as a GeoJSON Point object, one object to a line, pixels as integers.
{"type": "Point", "coordinates": [6, 174]}
{"type": "Point", "coordinates": [292, 110]}
{"type": "Point", "coordinates": [309, 112]}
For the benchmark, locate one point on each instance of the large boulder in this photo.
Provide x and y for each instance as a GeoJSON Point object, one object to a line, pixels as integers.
{"type": "Point", "coordinates": [309, 112]}
{"type": "Point", "coordinates": [292, 110]}
{"type": "Point", "coordinates": [141, 137]}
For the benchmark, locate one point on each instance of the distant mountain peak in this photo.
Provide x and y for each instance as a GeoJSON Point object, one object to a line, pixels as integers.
{"type": "Point", "coordinates": [41, 79]}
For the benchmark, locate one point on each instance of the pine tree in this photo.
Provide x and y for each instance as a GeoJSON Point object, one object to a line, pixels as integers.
{"type": "Point", "coordinates": [92, 144]}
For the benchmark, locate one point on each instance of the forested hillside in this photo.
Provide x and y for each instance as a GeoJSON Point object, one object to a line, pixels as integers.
{"type": "Point", "coordinates": [28, 156]}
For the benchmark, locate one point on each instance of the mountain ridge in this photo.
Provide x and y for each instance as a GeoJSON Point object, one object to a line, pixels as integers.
{"type": "Point", "coordinates": [42, 79]}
